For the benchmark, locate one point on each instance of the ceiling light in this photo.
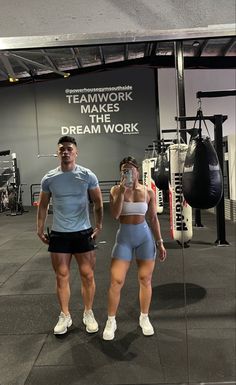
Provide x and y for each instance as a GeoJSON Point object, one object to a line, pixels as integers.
{"type": "Point", "coordinates": [10, 72]}
{"type": "Point", "coordinates": [12, 79]}
{"type": "Point", "coordinates": [196, 43]}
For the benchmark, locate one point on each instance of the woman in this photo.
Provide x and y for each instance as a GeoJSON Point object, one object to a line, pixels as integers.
{"type": "Point", "coordinates": [130, 203]}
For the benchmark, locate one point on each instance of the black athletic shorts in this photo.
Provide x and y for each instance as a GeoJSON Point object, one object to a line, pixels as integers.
{"type": "Point", "coordinates": [75, 242]}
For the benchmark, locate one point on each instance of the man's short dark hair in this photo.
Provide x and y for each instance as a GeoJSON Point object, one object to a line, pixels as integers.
{"type": "Point", "coordinates": [68, 139]}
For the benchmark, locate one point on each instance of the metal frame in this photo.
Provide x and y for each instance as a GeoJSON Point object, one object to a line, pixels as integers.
{"type": "Point", "coordinates": [20, 42]}
{"type": "Point", "coordinates": [218, 121]}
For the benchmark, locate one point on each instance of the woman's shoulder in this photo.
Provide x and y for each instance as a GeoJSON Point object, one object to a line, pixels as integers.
{"type": "Point", "coordinates": [143, 188]}
{"type": "Point", "coordinates": [147, 191]}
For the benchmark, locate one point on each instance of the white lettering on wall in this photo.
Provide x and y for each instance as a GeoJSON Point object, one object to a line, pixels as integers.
{"type": "Point", "coordinates": [99, 105]}
{"type": "Point", "coordinates": [73, 130]}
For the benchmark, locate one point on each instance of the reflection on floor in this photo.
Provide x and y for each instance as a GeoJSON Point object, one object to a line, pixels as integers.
{"type": "Point", "coordinates": [193, 311]}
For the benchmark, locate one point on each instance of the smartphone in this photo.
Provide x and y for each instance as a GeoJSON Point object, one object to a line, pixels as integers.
{"type": "Point", "coordinates": [128, 177]}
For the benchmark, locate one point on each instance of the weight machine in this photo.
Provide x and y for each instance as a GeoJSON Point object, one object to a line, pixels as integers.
{"type": "Point", "coordinates": [10, 185]}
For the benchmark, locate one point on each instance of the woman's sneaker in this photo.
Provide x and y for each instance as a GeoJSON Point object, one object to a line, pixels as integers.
{"type": "Point", "coordinates": [90, 322]}
{"type": "Point", "coordinates": [63, 324]}
{"type": "Point", "coordinates": [146, 325]}
{"type": "Point", "coordinates": [109, 331]}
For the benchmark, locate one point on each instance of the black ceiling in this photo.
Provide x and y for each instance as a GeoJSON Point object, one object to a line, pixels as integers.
{"type": "Point", "coordinates": [23, 66]}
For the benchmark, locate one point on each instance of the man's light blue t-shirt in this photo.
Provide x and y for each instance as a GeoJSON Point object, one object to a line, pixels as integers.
{"type": "Point", "coordinates": [69, 192]}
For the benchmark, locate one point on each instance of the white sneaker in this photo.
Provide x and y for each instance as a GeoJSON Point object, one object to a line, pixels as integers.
{"type": "Point", "coordinates": [90, 322]}
{"type": "Point", "coordinates": [146, 326]}
{"type": "Point", "coordinates": [109, 331]}
{"type": "Point", "coordinates": [63, 324]}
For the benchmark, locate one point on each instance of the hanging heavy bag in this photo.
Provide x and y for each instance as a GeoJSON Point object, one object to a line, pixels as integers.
{"type": "Point", "coordinates": [202, 177]}
{"type": "Point", "coordinates": [161, 172]}
{"type": "Point", "coordinates": [148, 167]}
{"type": "Point", "coordinates": [180, 211]}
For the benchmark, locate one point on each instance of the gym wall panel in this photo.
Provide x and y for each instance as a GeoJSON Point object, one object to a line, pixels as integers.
{"type": "Point", "coordinates": [18, 132]}
{"type": "Point", "coordinates": [198, 80]}
{"type": "Point", "coordinates": [212, 80]}
{"type": "Point", "coordinates": [111, 114]}
{"type": "Point", "coordinates": [203, 80]}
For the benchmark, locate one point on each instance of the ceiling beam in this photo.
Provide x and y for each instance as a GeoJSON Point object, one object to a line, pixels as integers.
{"type": "Point", "coordinates": [23, 65]}
{"type": "Point", "coordinates": [12, 76]}
{"type": "Point", "coordinates": [226, 62]}
{"type": "Point", "coordinates": [50, 61]}
{"type": "Point", "coordinates": [126, 51]}
{"type": "Point", "coordinates": [85, 39]}
{"type": "Point", "coordinates": [75, 53]}
{"type": "Point", "coordinates": [3, 73]}
{"type": "Point", "coordinates": [39, 65]}
{"type": "Point", "coordinates": [154, 49]}
{"type": "Point", "coordinates": [148, 49]}
{"type": "Point", "coordinates": [202, 47]}
{"type": "Point", "coordinates": [228, 47]}
{"type": "Point", "coordinates": [102, 55]}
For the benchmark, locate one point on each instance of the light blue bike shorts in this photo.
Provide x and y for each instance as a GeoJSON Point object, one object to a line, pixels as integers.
{"type": "Point", "coordinates": [134, 240]}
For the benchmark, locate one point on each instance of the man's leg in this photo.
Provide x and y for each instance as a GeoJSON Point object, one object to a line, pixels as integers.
{"type": "Point", "coordinates": [61, 266]}
{"type": "Point", "coordinates": [86, 263]}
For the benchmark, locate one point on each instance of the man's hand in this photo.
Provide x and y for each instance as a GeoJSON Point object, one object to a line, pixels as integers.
{"type": "Point", "coordinates": [43, 237]}
{"type": "Point", "coordinates": [96, 232]}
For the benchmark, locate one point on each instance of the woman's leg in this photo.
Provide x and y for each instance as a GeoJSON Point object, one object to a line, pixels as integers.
{"type": "Point", "coordinates": [145, 270]}
{"type": "Point", "coordinates": [118, 273]}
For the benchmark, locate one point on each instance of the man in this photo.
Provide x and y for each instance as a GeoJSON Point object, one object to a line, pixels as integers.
{"type": "Point", "coordinates": [71, 186]}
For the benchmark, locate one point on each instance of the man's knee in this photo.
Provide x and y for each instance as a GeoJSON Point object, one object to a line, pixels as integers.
{"type": "Point", "coordinates": [62, 272]}
{"type": "Point", "coordinates": [87, 277]}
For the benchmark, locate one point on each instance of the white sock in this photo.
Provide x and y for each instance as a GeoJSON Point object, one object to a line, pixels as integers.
{"type": "Point", "coordinates": [112, 318]}
{"type": "Point", "coordinates": [66, 315]}
{"type": "Point", "coordinates": [143, 315]}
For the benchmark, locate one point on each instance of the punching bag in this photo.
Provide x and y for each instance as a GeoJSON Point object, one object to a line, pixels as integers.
{"type": "Point", "coordinates": [158, 193]}
{"type": "Point", "coordinates": [202, 176]}
{"type": "Point", "coordinates": [180, 211]}
{"type": "Point", "coordinates": [161, 172]}
{"type": "Point", "coordinates": [148, 166]}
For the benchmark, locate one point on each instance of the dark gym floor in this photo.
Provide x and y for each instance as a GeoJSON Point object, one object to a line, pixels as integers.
{"type": "Point", "coordinates": [193, 311]}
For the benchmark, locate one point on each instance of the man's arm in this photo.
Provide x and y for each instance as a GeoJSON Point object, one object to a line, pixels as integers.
{"type": "Point", "coordinates": [96, 197]}
{"type": "Point", "coordinates": [44, 200]}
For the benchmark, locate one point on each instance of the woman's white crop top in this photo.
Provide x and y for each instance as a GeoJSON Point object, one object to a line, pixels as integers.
{"type": "Point", "coordinates": [135, 208]}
